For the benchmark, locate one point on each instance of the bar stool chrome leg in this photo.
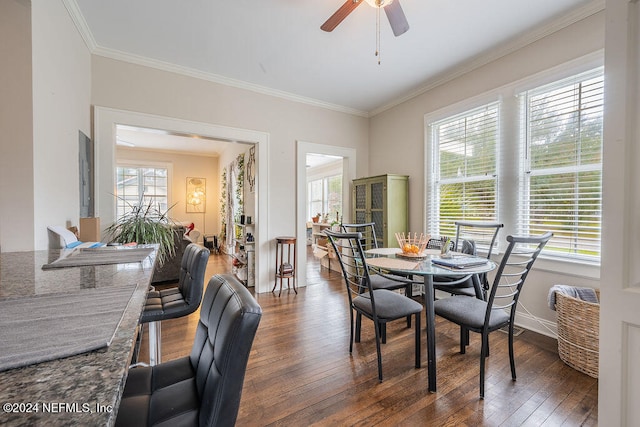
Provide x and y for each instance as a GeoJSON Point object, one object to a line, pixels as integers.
{"type": "Point", "coordinates": [155, 343]}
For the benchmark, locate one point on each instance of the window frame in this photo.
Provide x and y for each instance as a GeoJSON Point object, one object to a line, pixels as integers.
{"type": "Point", "coordinates": [325, 194]}
{"type": "Point", "coordinates": [527, 172]}
{"type": "Point", "coordinates": [509, 178]}
{"type": "Point", "coordinates": [465, 110]}
{"type": "Point", "coordinates": [137, 164]}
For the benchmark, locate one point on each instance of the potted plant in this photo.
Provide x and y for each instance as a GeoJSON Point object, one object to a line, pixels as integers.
{"type": "Point", "coordinates": [145, 224]}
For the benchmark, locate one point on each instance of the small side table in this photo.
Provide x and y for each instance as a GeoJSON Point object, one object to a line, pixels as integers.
{"type": "Point", "coordinates": [285, 269]}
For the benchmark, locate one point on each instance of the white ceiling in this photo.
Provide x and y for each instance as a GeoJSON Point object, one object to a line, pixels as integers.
{"type": "Point", "coordinates": [159, 140]}
{"type": "Point", "coordinates": [277, 46]}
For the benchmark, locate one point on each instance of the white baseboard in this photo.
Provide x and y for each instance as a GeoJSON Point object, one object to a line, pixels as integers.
{"type": "Point", "coordinates": [536, 324]}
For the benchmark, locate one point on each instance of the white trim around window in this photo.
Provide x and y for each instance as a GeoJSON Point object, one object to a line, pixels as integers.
{"type": "Point", "coordinates": [137, 164]}
{"type": "Point", "coordinates": [509, 169]}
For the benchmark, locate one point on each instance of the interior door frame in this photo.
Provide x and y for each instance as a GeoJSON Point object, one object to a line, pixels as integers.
{"type": "Point", "coordinates": [619, 371]}
{"type": "Point", "coordinates": [348, 174]}
{"type": "Point", "coordinates": [104, 134]}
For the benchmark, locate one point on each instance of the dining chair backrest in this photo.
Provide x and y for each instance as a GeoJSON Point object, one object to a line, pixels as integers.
{"type": "Point", "coordinates": [380, 280]}
{"type": "Point", "coordinates": [480, 234]}
{"type": "Point", "coordinates": [512, 272]}
{"type": "Point", "coordinates": [438, 242]}
{"type": "Point", "coordinates": [368, 231]}
{"type": "Point", "coordinates": [348, 249]}
{"type": "Point", "coordinates": [470, 235]}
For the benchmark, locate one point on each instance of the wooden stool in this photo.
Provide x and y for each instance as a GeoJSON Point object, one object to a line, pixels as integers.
{"type": "Point", "coordinates": [285, 269]}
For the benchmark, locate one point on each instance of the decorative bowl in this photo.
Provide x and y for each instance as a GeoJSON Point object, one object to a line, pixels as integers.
{"type": "Point", "coordinates": [412, 245]}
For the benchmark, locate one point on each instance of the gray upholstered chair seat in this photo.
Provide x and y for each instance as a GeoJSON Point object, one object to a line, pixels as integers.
{"type": "Point", "coordinates": [469, 312]}
{"type": "Point", "coordinates": [204, 388]}
{"type": "Point", "coordinates": [389, 304]}
{"type": "Point", "coordinates": [389, 282]}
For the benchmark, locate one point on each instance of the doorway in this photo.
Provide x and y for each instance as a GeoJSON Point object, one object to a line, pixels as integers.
{"type": "Point", "coordinates": [105, 122]}
{"type": "Point", "coordinates": [348, 156]}
{"type": "Point", "coordinates": [324, 206]}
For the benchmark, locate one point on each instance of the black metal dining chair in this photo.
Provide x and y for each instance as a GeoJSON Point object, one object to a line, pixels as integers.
{"type": "Point", "coordinates": [380, 279]}
{"type": "Point", "coordinates": [379, 305]}
{"type": "Point", "coordinates": [484, 317]}
{"type": "Point", "coordinates": [469, 236]}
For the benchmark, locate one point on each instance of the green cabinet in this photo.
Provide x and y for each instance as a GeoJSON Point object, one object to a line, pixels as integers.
{"type": "Point", "coordinates": [384, 200]}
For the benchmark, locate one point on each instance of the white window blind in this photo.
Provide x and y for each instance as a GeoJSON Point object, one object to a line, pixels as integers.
{"type": "Point", "coordinates": [464, 167]}
{"type": "Point", "coordinates": [141, 185]}
{"type": "Point", "coordinates": [315, 197]}
{"type": "Point", "coordinates": [325, 196]}
{"type": "Point", "coordinates": [562, 165]}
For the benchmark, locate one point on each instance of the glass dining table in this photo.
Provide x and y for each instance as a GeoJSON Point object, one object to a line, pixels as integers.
{"type": "Point", "coordinates": [392, 260]}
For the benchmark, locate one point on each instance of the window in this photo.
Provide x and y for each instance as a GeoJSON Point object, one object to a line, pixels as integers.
{"type": "Point", "coordinates": [325, 196]}
{"type": "Point", "coordinates": [464, 153]}
{"type": "Point", "coordinates": [141, 185]}
{"type": "Point", "coordinates": [532, 161]}
{"type": "Point", "coordinates": [562, 163]}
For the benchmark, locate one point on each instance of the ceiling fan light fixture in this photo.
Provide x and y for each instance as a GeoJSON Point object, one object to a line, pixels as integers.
{"type": "Point", "coordinates": [379, 3]}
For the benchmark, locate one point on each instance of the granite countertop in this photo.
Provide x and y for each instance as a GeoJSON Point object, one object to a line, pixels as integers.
{"type": "Point", "coordinates": [77, 390]}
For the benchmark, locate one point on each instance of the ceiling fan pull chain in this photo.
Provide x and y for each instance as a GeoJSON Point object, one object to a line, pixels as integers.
{"type": "Point", "coordinates": [378, 34]}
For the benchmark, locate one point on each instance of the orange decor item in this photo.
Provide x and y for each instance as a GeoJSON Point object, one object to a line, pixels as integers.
{"type": "Point", "coordinates": [412, 245]}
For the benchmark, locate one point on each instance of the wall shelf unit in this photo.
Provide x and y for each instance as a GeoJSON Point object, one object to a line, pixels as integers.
{"type": "Point", "coordinates": [244, 265]}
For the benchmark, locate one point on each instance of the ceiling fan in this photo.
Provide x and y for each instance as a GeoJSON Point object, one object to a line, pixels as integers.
{"type": "Point", "coordinates": [392, 8]}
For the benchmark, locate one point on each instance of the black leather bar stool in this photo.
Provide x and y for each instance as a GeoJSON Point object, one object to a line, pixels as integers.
{"type": "Point", "coordinates": [177, 301]}
{"type": "Point", "coordinates": [204, 388]}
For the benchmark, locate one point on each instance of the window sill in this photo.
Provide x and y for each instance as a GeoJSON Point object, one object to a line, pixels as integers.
{"type": "Point", "coordinates": [568, 267]}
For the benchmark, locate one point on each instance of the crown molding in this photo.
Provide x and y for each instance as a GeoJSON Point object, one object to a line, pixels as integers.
{"type": "Point", "coordinates": [493, 54]}
{"type": "Point", "coordinates": [87, 36]}
{"type": "Point", "coordinates": [80, 23]}
{"type": "Point", "coordinates": [215, 78]}
{"type": "Point", "coordinates": [498, 52]}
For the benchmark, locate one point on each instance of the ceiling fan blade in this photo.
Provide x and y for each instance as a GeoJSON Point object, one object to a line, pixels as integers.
{"type": "Point", "coordinates": [340, 14]}
{"type": "Point", "coordinates": [398, 21]}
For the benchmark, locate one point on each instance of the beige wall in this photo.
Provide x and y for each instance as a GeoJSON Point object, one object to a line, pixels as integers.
{"type": "Point", "coordinates": [61, 108]}
{"type": "Point", "coordinates": [401, 130]}
{"type": "Point", "coordinates": [132, 87]}
{"type": "Point", "coordinates": [121, 86]}
{"type": "Point", "coordinates": [46, 76]}
{"type": "Point", "coordinates": [16, 123]}
{"type": "Point", "coordinates": [183, 166]}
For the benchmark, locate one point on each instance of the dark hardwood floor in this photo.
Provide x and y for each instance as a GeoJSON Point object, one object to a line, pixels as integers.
{"type": "Point", "coordinates": [300, 372]}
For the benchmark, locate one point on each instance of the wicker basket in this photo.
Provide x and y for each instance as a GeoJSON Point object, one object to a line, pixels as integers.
{"type": "Point", "coordinates": [578, 333]}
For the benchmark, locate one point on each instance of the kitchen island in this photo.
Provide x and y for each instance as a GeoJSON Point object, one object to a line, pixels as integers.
{"type": "Point", "coordinates": [82, 389]}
